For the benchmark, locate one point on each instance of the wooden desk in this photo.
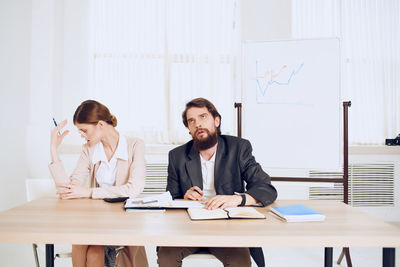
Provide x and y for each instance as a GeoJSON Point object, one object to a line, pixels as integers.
{"type": "Point", "coordinates": [83, 221]}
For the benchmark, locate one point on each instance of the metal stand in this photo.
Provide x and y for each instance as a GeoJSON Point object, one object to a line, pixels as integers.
{"type": "Point", "coordinates": [345, 251]}
{"type": "Point", "coordinates": [328, 257]}
{"type": "Point", "coordinates": [389, 255]}
{"type": "Point", "coordinates": [49, 255]}
{"type": "Point", "coordinates": [256, 253]}
{"type": "Point", "coordinates": [344, 180]}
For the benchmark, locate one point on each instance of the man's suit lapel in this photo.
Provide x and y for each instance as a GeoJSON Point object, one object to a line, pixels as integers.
{"type": "Point", "coordinates": [219, 164]}
{"type": "Point", "coordinates": [193, 168]}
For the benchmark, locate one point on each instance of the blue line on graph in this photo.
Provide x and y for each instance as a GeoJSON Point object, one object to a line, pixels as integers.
{"type": "Point", "coordinates": [269, 83]}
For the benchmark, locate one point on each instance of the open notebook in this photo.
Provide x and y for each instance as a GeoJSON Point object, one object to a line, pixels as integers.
{"type": "Point", "coordinates": [228, 213]}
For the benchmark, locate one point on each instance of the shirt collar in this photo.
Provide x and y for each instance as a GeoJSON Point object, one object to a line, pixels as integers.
{"type": "Point", "coordinates": [99, 154]}
{"type": "Point", "coordinates": [120, 153]}
{"type": "Point", "coordinates": [212, 160]}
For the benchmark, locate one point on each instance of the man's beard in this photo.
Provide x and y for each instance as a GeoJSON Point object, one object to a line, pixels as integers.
{"type": "Point", "coordinates": [205, 143]}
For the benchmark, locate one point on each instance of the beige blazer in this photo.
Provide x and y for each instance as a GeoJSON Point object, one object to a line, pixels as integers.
{"type": "Point", "coordinates": [129, 176]}
{"type": "Point", "coordinates": [129, 181]}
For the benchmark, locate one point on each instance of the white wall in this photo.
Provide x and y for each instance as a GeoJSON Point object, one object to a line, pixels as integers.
{"type": "Point", "coordinates": [15, 29]}
{"type": "Point", "coordinates": [15, 47]}
{"type": "Point", "coordinates": [59, 72]}
{"type": "Point", "coordinates": [264, 20]}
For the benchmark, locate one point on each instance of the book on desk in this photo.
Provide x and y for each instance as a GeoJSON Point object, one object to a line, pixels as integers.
{"type": "Point", "coordinates": [297, 213]}
{"type": "Point", "coordinates": [227, 213]}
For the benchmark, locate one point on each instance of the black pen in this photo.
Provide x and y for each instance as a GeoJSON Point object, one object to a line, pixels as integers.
{"type": "Point", "coordinates": [200, 192]}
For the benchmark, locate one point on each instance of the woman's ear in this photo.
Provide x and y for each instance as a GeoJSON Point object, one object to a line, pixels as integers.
{"type": "Point", "coordinates": [101, 124]}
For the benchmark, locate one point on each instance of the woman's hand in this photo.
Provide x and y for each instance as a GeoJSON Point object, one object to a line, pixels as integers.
{"type": "Point", "coordinates": [56, 140]}
{"type": "Point", "coordinates": [70, 191]}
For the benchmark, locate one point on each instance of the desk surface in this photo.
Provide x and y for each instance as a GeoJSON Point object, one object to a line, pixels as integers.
{"type": "Point", "coordinates": [86, 221]}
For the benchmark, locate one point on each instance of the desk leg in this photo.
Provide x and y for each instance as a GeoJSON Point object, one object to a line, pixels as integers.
{"type": "Point", "coordinates": [328, 257]}
{"type": "Point", "coordinates": [49, 255]}
{"type": "Point", "coordinates": [388, 257]}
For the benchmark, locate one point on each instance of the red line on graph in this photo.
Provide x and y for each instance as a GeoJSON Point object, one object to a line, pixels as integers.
{"type": "Point", "coordinates": [271, 74]}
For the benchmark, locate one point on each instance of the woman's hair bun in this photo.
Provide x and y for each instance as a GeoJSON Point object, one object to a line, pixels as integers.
{"type": "Point", "coordinates": [91, 111]}
{"type": "Point", "coordinates": [113, 120]}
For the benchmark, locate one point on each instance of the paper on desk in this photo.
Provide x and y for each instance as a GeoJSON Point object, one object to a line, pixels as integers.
{"type": "Point", "coordinates": [156, 201]}
{"type": "Point", "coordinates": [163, 200]}
{"type": "Point", "coordinates": [186, 204]}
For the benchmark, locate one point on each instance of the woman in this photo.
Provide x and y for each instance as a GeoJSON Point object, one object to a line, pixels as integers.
{"type": "Point", "coordinates": [110, 166]}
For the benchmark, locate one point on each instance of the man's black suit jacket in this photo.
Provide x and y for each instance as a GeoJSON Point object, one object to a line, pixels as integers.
{"type": "Point", "coordinates": [234, 165]}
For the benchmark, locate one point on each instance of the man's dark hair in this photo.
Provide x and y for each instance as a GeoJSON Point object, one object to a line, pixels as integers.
{"type": "Point", "coordinates": [201, 103]}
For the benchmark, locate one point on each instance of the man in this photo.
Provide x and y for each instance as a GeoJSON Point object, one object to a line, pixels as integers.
{"type": "Point", "coordinates": [213, 168]}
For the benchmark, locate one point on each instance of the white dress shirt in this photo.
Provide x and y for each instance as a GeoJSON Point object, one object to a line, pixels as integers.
{"type": "Point", "coordinates": [207, 171]}
{"type": "Point", "coordinates": [105, 175]}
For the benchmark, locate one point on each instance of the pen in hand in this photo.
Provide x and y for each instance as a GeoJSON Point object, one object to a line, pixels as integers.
{"type": "Point", "coordinates": [198, 194]}
{"type": "Point", "coordinates": [55, 123]}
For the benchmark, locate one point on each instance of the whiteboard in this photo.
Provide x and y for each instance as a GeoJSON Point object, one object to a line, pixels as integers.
{"type": "Point", "coordinates": [291, 103]}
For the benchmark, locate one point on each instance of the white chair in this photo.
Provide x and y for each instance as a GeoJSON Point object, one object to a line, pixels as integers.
{"type": "Point", "coordinates": [202, 255]}
{"type": "Point", "coordinates": [256, 255]}
{"type": "Point", "coordinates": [37, 188]}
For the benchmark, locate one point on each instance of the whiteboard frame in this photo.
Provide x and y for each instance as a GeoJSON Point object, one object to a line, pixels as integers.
{"type": "Point", "coordinates": [340, 119]}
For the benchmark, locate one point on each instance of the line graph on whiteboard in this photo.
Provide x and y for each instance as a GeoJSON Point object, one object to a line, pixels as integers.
{"type": "Point", "coordinates": [274, 82]}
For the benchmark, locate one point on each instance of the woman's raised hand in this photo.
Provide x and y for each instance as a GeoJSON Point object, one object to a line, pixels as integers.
{"type": "Point", "coordinates": [56, 139]}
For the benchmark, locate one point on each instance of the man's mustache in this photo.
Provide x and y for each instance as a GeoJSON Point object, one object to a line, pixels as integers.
{"type": "Point", "coordinates": [201, 129]}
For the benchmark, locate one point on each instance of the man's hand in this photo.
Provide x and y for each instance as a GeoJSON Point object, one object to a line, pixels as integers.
{"type": "Point", "coordinates": [223, 201]}
{"type": "Point", "coordinates": [194, 193]}
{"type": "Point", "coordinates": [70, 191]}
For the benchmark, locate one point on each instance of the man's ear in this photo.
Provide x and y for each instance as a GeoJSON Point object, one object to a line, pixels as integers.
{"type": "Point", "coordinates": [217, 121]}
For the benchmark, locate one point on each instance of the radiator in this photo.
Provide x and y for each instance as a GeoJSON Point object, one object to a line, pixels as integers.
{"type": "Point", "coordinates": [156, 178]}
{"type": "Point", "coordinates": [370, 185]}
